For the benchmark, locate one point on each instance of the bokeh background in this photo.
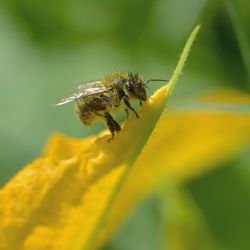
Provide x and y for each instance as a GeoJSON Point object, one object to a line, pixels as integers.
{"type": "Point", "coordinates": [48, 47]}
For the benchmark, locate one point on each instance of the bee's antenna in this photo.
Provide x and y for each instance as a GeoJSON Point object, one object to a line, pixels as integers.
{"type": "Point", "coordinates": [155, 80]}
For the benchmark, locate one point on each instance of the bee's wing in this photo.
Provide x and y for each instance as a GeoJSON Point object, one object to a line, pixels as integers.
{"type": "Point", "coordinates": [87, 85]}
{"type": "Point", "coordinates": [83, 90]}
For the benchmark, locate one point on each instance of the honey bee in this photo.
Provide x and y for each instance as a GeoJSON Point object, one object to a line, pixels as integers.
{"type": "Point", "coordinates": [98, 99]}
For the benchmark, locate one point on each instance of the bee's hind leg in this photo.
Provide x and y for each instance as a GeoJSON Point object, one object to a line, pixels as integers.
{"type": "Point", "coordinates": [112, 124]}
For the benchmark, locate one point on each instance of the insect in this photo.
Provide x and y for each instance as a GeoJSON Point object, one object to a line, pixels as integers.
{"type": "Point", "coordinates": [98, 99]}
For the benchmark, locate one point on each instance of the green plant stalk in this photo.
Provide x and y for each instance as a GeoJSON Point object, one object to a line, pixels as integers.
{"type": "Point", "coordinates": [240, 31]}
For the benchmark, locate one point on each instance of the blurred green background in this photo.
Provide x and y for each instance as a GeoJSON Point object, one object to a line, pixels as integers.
{"type": "Point", "coordinates": [47, 48]}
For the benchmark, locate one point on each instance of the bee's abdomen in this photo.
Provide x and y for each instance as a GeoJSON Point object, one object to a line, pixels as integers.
{"type": "Point", "coordinates": [84, 114]}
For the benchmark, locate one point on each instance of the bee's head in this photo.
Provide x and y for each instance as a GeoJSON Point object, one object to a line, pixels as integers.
{"type": "Point", "coordinates": [136, 87]}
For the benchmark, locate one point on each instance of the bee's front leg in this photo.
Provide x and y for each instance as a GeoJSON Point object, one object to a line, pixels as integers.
{"type": "Point", "coordinates": [127, 112]}
{"type": "Point", "coordinates": [126, 102]}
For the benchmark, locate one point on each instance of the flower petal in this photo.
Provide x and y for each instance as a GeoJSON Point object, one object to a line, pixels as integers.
{"type": "Point", "coordinates": [61, 201]}
{"type": "Point", "coordinates": [182, 146]}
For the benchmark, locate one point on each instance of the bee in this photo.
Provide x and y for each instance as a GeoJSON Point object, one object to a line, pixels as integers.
{"type": "Point", "coordinates": [98, 99]}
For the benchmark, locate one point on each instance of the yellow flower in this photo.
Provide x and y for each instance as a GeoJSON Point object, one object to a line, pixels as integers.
{"type": "Point", "coordinates": [78, 192]}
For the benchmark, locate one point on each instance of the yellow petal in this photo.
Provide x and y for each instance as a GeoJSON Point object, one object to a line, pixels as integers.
{"type": "Point", "coordinates": [57, 201]}
{"type": "Point", "coordinates": [227, 96]}
{"type": "Point", "coordinates": [76, 195]}
{"type": "Point", "coordinates": [182, 146]}
{"type": "Point", "coordinates": [61, 201]}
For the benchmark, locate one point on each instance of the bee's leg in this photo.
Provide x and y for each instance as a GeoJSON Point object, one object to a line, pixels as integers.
{"type": "Point", "coordinates": [111, 123]}
{"type": "Point", "coordinates": [127, 112]}
{"type": "Point", "coordinates": [140, 103]}
{"type": "Point", "coordinates": [126, 102]}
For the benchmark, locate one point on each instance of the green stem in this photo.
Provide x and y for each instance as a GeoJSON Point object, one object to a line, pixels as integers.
{"type": "Point", "coordinates": [183, 58]}
{"type": "Point", "coordinates": [240, 31]}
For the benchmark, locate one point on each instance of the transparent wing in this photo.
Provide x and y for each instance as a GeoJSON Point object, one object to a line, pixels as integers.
{"type": "Point", "coordinates": [83, 90]}
{"type": "Point", "coordinates": [87, 85]}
